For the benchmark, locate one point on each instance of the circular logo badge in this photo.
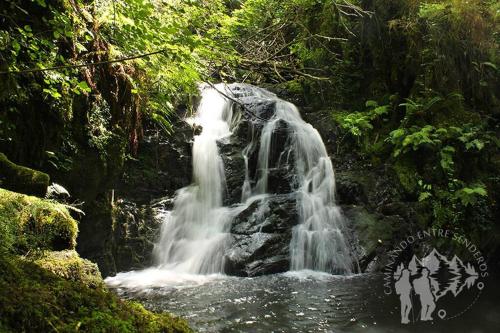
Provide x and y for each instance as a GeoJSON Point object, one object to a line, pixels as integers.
{"type": "Point", "coordinates": [433, 285]}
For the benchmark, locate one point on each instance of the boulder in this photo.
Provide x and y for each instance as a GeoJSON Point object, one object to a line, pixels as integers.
{"type": "Point", "coordinates": [377, 234]}
{"type": "Point", "coordinates": [22, 179]}
{"type": "Point", "coordinates": [261, 235]}
{"type": "Point", "coordinates": [272, 214]}
{"type": "Point", "coordinates": [234, 169]}
{"type": "Point", "coordinates": [29, 223]}
{"type": "Point", "coordinates": [68, 265]}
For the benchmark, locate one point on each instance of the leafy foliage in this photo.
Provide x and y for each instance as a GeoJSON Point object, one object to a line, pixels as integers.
{"type": "Point", "coordinates": [470, 195]}
{"type": "Point", "coordinates": [359, 124]}
{"type": "Point", "coordinates": [432, 66]}
{"type": "Point", "coordinates": [416, 80]}
{"type": "Point", "coordinates": [187, 32]}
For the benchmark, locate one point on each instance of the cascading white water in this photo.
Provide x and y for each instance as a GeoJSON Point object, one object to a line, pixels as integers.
{"type": "Point", "coordinates": [196, 236]}
{"type": "Point", "coordinates": [318, 242]}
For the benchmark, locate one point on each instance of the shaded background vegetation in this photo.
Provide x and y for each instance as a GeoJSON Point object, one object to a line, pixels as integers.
{"type": "Point", "coordinates": [413, 84]}
{"type": "Point", "coordinates": [410, 86]}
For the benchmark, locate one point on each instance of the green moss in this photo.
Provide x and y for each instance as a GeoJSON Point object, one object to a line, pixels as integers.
{"type": "Point", "coordinates": [57, 291]}
{"type": "Point", "coordinates": [373, 230]}
{"type": "Point", "coordinates": [454, 115]}
{"type": "Point", "coordinates": [31, 223]}
{"type": "Point", "coordinates": [22, 179]}
{"type": "Point", "coordinates": [34, 299]}
{"type": "Point", "coordinates": [407, 174]}
{"type": "Point", "coordinates": [292, 86]}
{"type": "Point", "coordinates": [68, 265]}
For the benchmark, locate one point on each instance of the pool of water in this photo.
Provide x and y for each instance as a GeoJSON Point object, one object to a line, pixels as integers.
{"type": "Point", "coordinates": [302, 301]}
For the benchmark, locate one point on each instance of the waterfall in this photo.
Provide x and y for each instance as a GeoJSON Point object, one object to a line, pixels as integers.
{"type": "Point", "coordinates": [193, 236]}
{"type": "Point", "coordinates": [196, 236]}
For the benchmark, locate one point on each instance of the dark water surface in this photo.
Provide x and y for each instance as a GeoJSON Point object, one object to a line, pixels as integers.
{"type": "Point", "coordinates": [297, 302]}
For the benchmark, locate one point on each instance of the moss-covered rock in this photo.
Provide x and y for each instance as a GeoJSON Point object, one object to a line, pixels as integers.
{"type": "Point", "coordinates": [68, 265]}
{"type": "Point", "coordinates": [372, 229]}
{"type": "Point", "coordinates": [22, 179]}
{"type": "Point", "coordinates": [376, 235]}
{"type": "Point", "coordinates": [57, 291]}
{"type": "Point", "coordinates": [34, 299]}
{"type": "Point", "coordinates": [30, 223]}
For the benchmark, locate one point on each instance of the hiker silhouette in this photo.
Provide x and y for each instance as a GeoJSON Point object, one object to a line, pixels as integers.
{"type": "Point", "coordinates": [422, 287]}
{"type": "Point", "coordinates": [403, 289]}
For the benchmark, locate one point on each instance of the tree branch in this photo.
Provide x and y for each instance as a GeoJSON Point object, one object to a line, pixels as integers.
{"type": "Point", "coordinates": [34, 70]}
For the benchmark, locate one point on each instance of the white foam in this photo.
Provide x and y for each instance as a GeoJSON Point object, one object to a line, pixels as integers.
{"type": "Point", "coordinates": [159, 278]}
{"type": "Point", "coordinates": [307, 274]}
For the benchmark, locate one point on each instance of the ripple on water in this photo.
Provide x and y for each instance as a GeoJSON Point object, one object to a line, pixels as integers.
{"type": "Point", "coordinates": [302, 301]}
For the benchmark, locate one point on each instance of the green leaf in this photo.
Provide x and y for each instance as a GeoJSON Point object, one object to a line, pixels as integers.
{"type": "Point", "coordinates": [424, 195]}
{"type": "Point", "coordinates": [84, 87]}
{"type": "Point", "coordinates": [80, 47]}
{"type": "Point", "coordinates": [441, 131]}
{"type": "Point", "coordinates": [469, 195]}
{"type": "Point", "coordinates": [490, 64]}
{"type": "Point", "coordinates": [52, 92]}
{"type": "Point", "coordinates": [397, 133]}
{"type": "Point", "coordinates": [429, 104]}
{"type": "Point", "coordinates": [380, 110]}
{"type": "Point", "coordinates": [478, 144]}
{"type": "Point", "coordinates": [16, 46]}
{"type": "Point", "coordinates": [41, 3]}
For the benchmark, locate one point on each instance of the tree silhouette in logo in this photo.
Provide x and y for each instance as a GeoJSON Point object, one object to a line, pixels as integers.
{"type": "Point", "coordinates": [421, 278]}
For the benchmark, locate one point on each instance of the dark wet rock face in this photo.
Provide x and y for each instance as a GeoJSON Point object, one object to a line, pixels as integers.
{"type": "Point", "coordinates": [120, 228]}
{"type": "Point", "coordinates": [234, 166]}
{"type": "Point", "coordinates": [162, 166]}
{"type": "Point", "coordinates": [146, 189]}
{"type": "Point", "coordinates": [261, 236]}
{"type": "Point", "coordinates": [274, 214]}
{"type": "Point", "coordinates": [246, 140]}
{"type": "Point", "coordinates": [134, 232]}
{"type": "Point", "coordinates": [349, 191]}
{"type": "Point", "coordinates": [263, 110]}
{"type": "Point", "coordinates": [261, 233]}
